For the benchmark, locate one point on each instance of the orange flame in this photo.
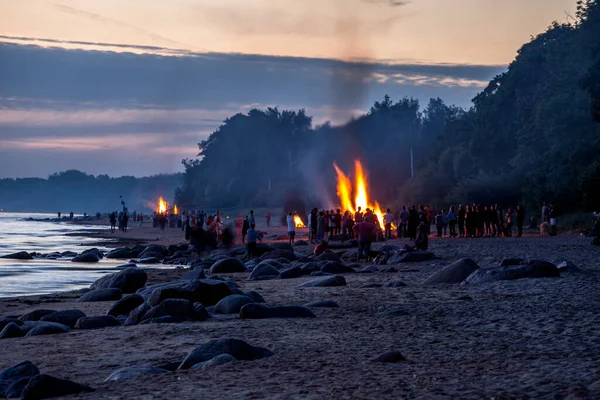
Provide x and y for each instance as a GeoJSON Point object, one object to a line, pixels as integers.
{"type": "Point", "coordinates": [162, 206]}
{"type": "Point", "coordinates": [360, 189]}
{"type": "Point", "coordinates": [298, 222]}
{"type": "Point", "coordinates": [175, 210]}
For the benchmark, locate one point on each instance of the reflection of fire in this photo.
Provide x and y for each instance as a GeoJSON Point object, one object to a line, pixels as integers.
{"type": "Point", "coordinates": [298, 222]}
{"type": "Point", "coordinates": [161, 208]}
{"type": "Point", "coordinates": [175, 210]}
{"type": "Point", "coordinates": [361, 197]}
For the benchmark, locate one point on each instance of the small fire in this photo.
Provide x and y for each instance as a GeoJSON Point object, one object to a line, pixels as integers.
{"type": "Point", "coordinates": [175, 210]}
{"type": "Point", "coordinates": [161, 208]}
{"type": "Point", "coordinates": [298, 222]}
{"type": "Point", "coordinates": [361, 197]}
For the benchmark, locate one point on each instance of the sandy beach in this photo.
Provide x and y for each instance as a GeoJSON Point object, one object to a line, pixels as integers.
{"type": "Point", "coordinates": [525, 338]}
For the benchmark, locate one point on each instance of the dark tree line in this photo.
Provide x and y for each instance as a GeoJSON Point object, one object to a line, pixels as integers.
{"type": "Point", "coordinates": [529, 136]}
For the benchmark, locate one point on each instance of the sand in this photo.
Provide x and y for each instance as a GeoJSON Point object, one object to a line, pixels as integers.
{"type": "Point", "coordinates": [530, 338]}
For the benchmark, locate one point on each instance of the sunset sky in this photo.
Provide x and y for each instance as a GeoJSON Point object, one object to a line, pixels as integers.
{"type": "Point", "coordinates": [130, 87]}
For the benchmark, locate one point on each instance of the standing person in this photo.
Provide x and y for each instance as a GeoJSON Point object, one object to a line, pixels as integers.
{"type": "Point", "coordinates": [314, 215]}
{"type": "Point", "coordinates": [321, 221]}
{"type": "Point", "coordinates": [402, 222]}
{"type": "Point", "coordinates": [461, 220]}
{"type": "Point", "coordinates": [141, 219]}
{"type": "Point", "coordinates": [113, 221]}
{"type": "Point", "coordinates": [268, 219]}
{"type": "Point", "coordinates": [201, 218]}
{"type": "Point", "coordinates": [452, 221]}
{"type": "Point", "coordinates": [291, 227]}
{"type": "Point", "coordinates": [413, 222]}
{"type": "Point", "coordinates": [439, 223]}
{"type": "Point", "coordinates": [327, 223]}
{"type": "Point", "coordinates": [445, 222]}
{"type": "Point", "coordinates": [251, 218]}
{"type": "Point", "coordinates": [245, 227]}
{"type": "Point", "coordinates": [366, 232]}
{"type": "Point", "coordinates": [338, 221]}
{"type": "Point", "coordinates": [552, 219]}
{"type": "Point", "coordinates": [509, 222]}
{"type": "Point", "coordinates": [253, 236]}
{"type": "Point", "coordinates": [125, 221]}
{"type": "Point", "coordinates": [350, 226]}
{"type": "Point", "coordinates": [499, 220]}
{"type": "Point", "coordinates": [358, 216]}
{"type": "Point", "coordinates": [520, 220]}
{"type": "Point", "coordinates": [545, 213]}
{"type": "Point", "coordinates": [388, 218]}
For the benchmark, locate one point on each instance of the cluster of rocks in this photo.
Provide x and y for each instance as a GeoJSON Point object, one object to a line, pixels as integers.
{"type": "Point", "coordinates": [25, 381]}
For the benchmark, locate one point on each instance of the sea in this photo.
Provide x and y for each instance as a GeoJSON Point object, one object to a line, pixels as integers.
{"type": "Point", "coordinates": [40, 276]}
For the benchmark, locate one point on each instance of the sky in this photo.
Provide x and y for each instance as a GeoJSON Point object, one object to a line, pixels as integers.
{"type": "Point", "coordinates": [130, 87]}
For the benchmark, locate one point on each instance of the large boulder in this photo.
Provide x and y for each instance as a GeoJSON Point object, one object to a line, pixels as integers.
{"type": "Point", "coordinates": [205, 291]}
{"type": "Point", "coordinates": [238, 349]}
{"type": "Point", "coordinates": [47, 329]}
{"type": "Point", "coordinates": [196, 273]}
{"type": "Point", "coordinates": [309, 268]}
{"type": "Point", "coordinates": [262, 271]}
{"type": "Point", "coordinates": [178, 309]}
{"type": "Point", "coordinates": [275, 254]}
{"type": "Point", "coordinates": [533, 269]}
{"type": "Point", "coordinates": [154, 249]}
{"type": "Point", "coordinates": [16, 388]}
{"type": "Point", "coordinates": [282, 246]}
{"type": "Point", "coordinates": [135, 316]}
{"type": "Point", "coordinates": [410, 257]}
{"type": "Point", "coordinates": [322, 304]}
{"type": "Point", "coordinates": [232, 304]}
{"type": "Point", "coordinates": [35, 315]}
{"type": "Point", "coordinates": [221, 359]}
{"type": "Point", "coordinates": [6, 321]}
{"type": "Point", "coordinates": [65, 317]}
{"type": "Point", "coordinates": [328, 256]}
{"type": "Point", "coordinates": [21, 255]}
{"type": "Point", "coordinates": [46, 386]}
{"type": "Point", "coordinates": [11, 330]}
{"type": "Point", "coordinates": [110, 294]}
{"type": "Point", "coordinates": [24, 369]}
{"type": "Point", "coordinates": [120, 253]}
{"type": "Point", "coordinates": [125, 305]}
{"type": "Point", "coordinates": [227, 266]}
{"type": "Point", "coordinates": [90, 257]}
{"type": "Point", "coordinates": [261, 311]}
{"type": "Point", "coordinates": [335, 267]}
{"type": "Point", "coordinates": [254, 295]}
{"type": "Point", "coordinates": [291, 273]}
{"type": "Point", "coordinates": [134, 372]}
{"type": "Point", "coordinates": [335, 280]}
{"type": "Point", "coordinates": [101, 321]}
{"type": "Point", "coordinates": [456, 272]}
{"type": "Point", "coordinates": [128, 280]}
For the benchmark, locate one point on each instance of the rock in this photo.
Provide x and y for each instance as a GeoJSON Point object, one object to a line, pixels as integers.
{"type": "Point", "coordinates": [322, 304]}
{"type": "Point", "coordinates": [24, 369]}
{"type": "Point", "coordinates": [35, 315]}
{"type": "Point", "coordinates": [394, 284]}
{"type": "Point", "coordinates": [533, 269]}
{"type": "Point", "coordinates": [507, 262]}
{"type": "Point", "coordinates": [227, 266]}
{"type": "Point", "coordinates": [291, 273]}
{"type": "Point", "coordinates": [65, 317]}
{"type": "Point", "coordinates": [394, 312]}
{"type": "Point", "coordinates": [300, 243]}
{"type": "Point", "coordinates": [149, 260]}
{"type": "Point", "coordinates": [254, 295]}
{"type": "Point", "coordinates": [455, 273]}
{"type": "Point", "coordinates": [371, 285]}
{"type": "Point", "coordinates": [567, 266]}
{"type": "Point", "coordinates": [415, 256]}
{"type": "Point", "coordinates": [125, 305]}
{"type": "Point", "coordinates": [390, 357]}
{"type": "Point", "coordinates": [135, 316]}
{"type": "Point", "coordinates": [128, 280]}
{"type": "Point", "coordinates": [134, 372]}
{"type": "Point", "coordinates": [205, 291]}
{"type": "Point", "coordinates": [21, 255]}
{"type": "Point", "coordinates": [262, 271]}
{"type": "Point", "coordinates": [101, 321]}
{"type": "Point", "coordinates": [324, 282]}
{"type": "Point", "coordinates": [178, 309]}
{"type": "Point", "coordinates": [239, 349]}
{"type": "Point", "coordinates": [275, 254]}
{"type": "Point", "coordinates": [170, 366]}
{"type": "Point", "coordinates": [261, 311]}
{"type": "Point", "coordinates": [309, 268]}
{"type": "Point", "coordinates": [196, 273]}
{"type": "Point", "coordinates": [110, 294]}
{"type": "Point", "coordinates": [123, 252]}
{"type": "Point", "coordinates": [125, 266]}
{"type": "Point", "coordinates": [155, 248]}
{"type": "Point", "coordinates": [47, 329]}
{"type": "Point", "coordinates": [369, 270]}
{"type": "Point", "coordinates": [47, 386]}
{"type": "Point", "coordinates": [213, 362]}
{"type": "Point", "coordinates": [6, 321]}
{"type": "Point", "coordinates": [320, 273]}
{"type": "Point", "coordinates": [199, 312]}
{"type": "Point", "coordinates": [232, 304]}
{"type": "Point", "coordinates": [390, 270]}
{"type": "Point", "coordinates": [334, 267]}
{"type": "Point", "coordinates": [14, 391]}
{"type": "Point", "coordinates": [68, 254]}
{"type": "Point", "coordinates": [90, 257]}
{"type": "Point", "coordinates": [328, 256]}
{"type": "Point", "coordinates": [11, 330]}
{"type": "Point", "coordinates": [282, 246]}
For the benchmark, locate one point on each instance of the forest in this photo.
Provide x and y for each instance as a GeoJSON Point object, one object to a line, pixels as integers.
{"type": "Point", "coordinates": [531, 135]}
{"type": "Point", "coordinates": [79, 192]}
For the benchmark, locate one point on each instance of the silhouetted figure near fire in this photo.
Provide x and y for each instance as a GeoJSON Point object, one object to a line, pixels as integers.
{"type": "Point", "coordinates": [113, 222]}
{"type": "Point", "coordinates": [245, 227]}
{"type": "Point", "coordinates": [312, 230]}
{"type": "Point", "coordinates": [358, 216]}
{"type": "Point", "coordinates": [366, 233]}
{"type": "Point", "coordinates": [320, 227]}
{"type": "Point", "coordinates": [413, 222]}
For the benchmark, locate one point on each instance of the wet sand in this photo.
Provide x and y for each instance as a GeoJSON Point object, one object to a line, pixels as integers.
{"type": "Point", "coordinates": [529, 338]}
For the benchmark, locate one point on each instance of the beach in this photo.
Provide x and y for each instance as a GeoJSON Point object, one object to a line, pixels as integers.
{"type": "Point", "coordinates": [524, 338]}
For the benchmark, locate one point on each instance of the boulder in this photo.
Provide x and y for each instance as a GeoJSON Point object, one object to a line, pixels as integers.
{"type": "Point", "coordinates": [213, 362]}
{"type": "Point", "coordinates": [567, 266]}
{"type": "Point", "coordinates": [110, 294]}
{"type": "Point", "coordinates": [410, 257]}
{"type": "Point", "coordinates": [199, 312]}
{"type": "Point", "coordinates": [24, 369]}
{"type": "Point", "coordinates": [6, 321]}
{"type": "Point", "coordinates": [282, 246]}
{"type": "Point", "coordinates": [394, 284]}
{"type": "Point", "coordinates": [238, 349]}
{"type": "Point", "coordinates": [261, 311]}
{"type": "Point", "coordinates": [325, 282]}
{"type": "Point", "coordinates": [254, 295]}
{"type": "Point", "coordinates": [264, 271]}
{"type": "Point", "coordinates": [227, 266]}
{"type": "Point", "coordinates": [155, 248]}
{"type": "Point", "coordinates": [47, 386]}
{"type": "Point", "coordinates": [21, 255]}
{"type": "Point", "coordinates": [390, 270]}
{"type": "Point", "coordinates": [309, 268]}
{"type": "Point", "coordinates": [125, 266]}
{"type": "Point", "coordinates": [125, 305]}
{"type": "Point", "coordinates": [134, 372]}
{"type": "Point", "coordinates": [232, 304]}
{"type": "Point", "coordinates": [149, 260]}
{"type": "Point", "coordinates": [16, 388]}
{"type": "Point", "coordinates": [291, 273]}
{"type": "Point", "coordinates": [178, 309]}
{"type": "Point", "coordinates": [47, 329]}
{"type": "Point", "coordinates": [533, 269]}
{"type": "Point", "coordinates": [320, 273]}
{"type": "Point", "coordinates": [35, 315]}
{"type": "Point", "coordinates": [90, 257]}
{"type": "Point", "coordinates": [101, 321]}
{"type": "Point", "coordinates": [68, 254]}
{"type": "Point", "coordinates": [205, 291]}
{"type": "Point", "coordinates": [170, 366]}
{"type": "Point", "coordinates": [122, 252]}
{"type": "Point", "coordinates": [65, 317]}
{"type": "Point", "coordinates": [128, 280]}
{"type": "Point", "coordinates": [300, 243]}
{"type": "Point", "coordinates": [390, 357]}
{"type": "Point", "coordinates": [135, 316]}
{"type": "Point", "coordinates": [328, 256]}
{"type": "Point", "coordinates": [507, 262]}
{"type": "Point", "coordinates": [275, 254]}
{"type": "Point", "coordinates": [11, 330]}
{"type": "Point", "coordinates": [369, 270]}
{"type": "Point", "coordinates": [322, 304]}
{"type": "Point", "coordinates": [454, 273]}
{"type": "Point", "coordinates": [335, 267]}
{"type": "Point", "coordinates": [196, 273]}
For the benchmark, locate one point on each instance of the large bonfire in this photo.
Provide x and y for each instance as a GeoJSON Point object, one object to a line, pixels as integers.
{"type": "Point", "coordinates": [353, 196]}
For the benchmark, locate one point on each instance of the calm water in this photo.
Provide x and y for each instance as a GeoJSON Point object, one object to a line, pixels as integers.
{"type": "Point", "coordinates": [29, 277]}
